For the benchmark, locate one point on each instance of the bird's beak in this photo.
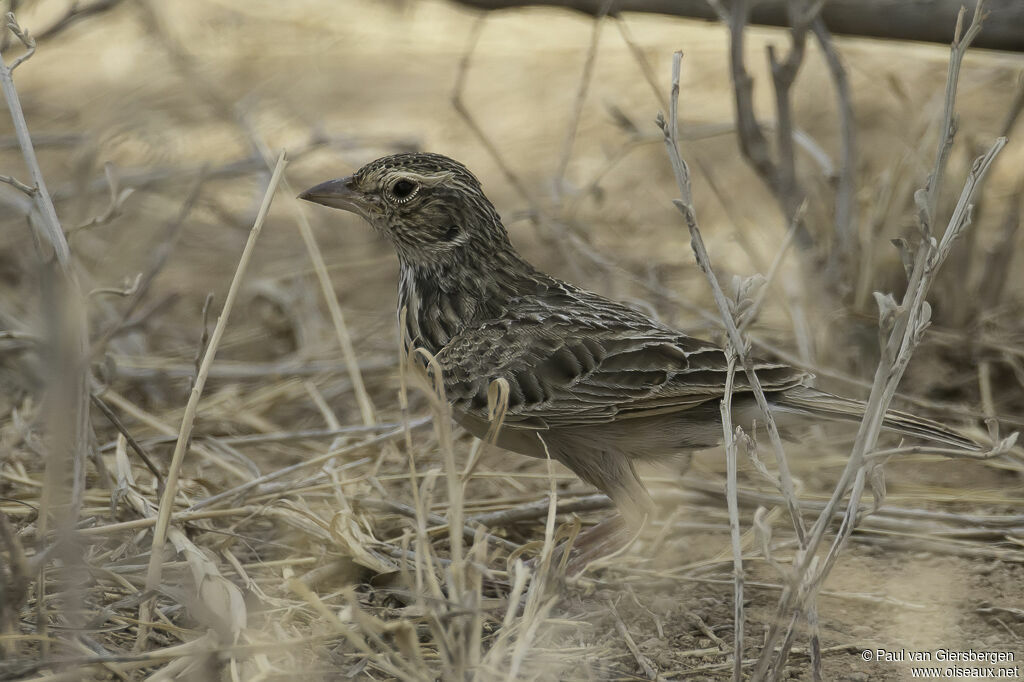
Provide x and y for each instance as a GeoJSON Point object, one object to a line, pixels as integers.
{"type": "Point", "coordinates": [338, 193]}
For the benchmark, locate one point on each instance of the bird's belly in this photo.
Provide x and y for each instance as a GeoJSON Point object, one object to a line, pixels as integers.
{"type": "Point", "coordinates": [651, 438]}
{"type": "Point", "coordinates": [654, 437]}
{"type": "Point", "coordinates": [523, 441]}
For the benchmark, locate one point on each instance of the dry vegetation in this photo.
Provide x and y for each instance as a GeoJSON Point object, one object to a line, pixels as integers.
{"type": "Point", "coordinates": [313, 519]}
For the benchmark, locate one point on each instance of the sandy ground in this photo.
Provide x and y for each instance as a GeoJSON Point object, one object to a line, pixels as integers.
{"type": "Point", "coordinates": [378, 76]}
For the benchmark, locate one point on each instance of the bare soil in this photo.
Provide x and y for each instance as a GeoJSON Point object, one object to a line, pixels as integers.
{"type": "Point", "coordinates": [375, 77]}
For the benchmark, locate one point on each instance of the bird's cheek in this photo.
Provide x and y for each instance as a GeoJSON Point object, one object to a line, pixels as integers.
{"type": "Point", "coordinates": [408, 240]}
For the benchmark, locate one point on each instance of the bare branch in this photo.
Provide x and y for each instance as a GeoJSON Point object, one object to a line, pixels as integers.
{"type": "Point", "coordinates": [48, 225]}
{"type": "Point", "coordinates": [779, 175]}
{"type": "Point", "coordinates": [734, 515]}
{"type": "Point", "coordinates": [25, 39]}
{"type": "Point", "coordinates": [170, 492]}
{"type": "Point", "coordinates": [75, 13]}
{"type": "Point", "coordinates": [467, 116]}
{"type": "Point", "coordinates": [581, 95]}
{"type": "Point", "coordinates": [19, 185]}
{"type": "Point", "coordinates": [685, 206]}
{"type": "Point", "coordinates": [844, 254]}
{"type": "Point", "coordinates": [890, 19]}
{"type": "Point", "coordinates": [67, 352]}
{"type": "Point", "coordinates": [947, 132]}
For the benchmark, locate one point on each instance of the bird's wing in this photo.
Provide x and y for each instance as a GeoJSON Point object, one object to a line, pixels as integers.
{"type": "Point", "coordinates": [581, 367]}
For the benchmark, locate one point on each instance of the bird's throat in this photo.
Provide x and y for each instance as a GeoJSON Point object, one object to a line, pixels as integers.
{"type": "Point", "coordinates": [441, 300]}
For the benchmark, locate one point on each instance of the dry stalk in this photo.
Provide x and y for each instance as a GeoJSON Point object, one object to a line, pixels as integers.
{"type": "Point", "coordinates": [734, 515]}
{"type": "Point", "coordinates": [220, 598]}
{"type": "Point", "coordinates": [685, 206]}
{"type": "Point", "coordinates": [366, 408]}
{"type": "Point", "coordinates": [947, 131]}
{"type": "Point", "coordinates": [645, 663]}
{"type": "Point", "coordinates": [186, 63]}
{"type": "Point", "coordinates": [843, 255]}
{"type": "Point", "coordinates": [459, 104]}
{"type": "Point", "coordinates": [46, 222]}
{"type": "Point", "coordinates": [456, 618]}
{"type": "Point", "coordinates": [67, 362]}
{"type": "Point", "coordinates": [901, 329]}
{"type": "Point", "coordinates": [283, 472]}
{"type": "Point", "coordinates": [538, 603]}
{"type": "Point", "coordinates": [904, 324]}
{"type": "Point", "coordinates": [581, 95]}
{"type": "Point", "coordinates": [735, 342]}
{"type": "Point", "coordinates": [72, 15]}
{"type": "Point", "coordinates": [154, 571]}
{"type": "Point", "coordinates": [778, 174]}
{"type": "Point", "coordinates": [535, 510]}
{"type": "Point", "coordinates": [907, 323]}
{"type": "Point", "coordinates": [161, 255]}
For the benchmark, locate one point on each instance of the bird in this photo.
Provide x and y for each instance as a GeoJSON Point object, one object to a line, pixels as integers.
{"type": "Point", "coordinates": [592, 383]}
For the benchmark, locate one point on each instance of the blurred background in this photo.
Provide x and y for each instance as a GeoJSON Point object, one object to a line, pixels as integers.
{"type": "Point", "coordinates": [156, 125]}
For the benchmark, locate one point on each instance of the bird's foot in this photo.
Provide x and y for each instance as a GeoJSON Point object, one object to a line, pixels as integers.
{"type": "Point", "coordinates": [573, 555]}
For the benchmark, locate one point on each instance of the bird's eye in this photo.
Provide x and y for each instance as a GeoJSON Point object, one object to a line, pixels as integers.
{"type": "Point", "coordinates": [403, 189]}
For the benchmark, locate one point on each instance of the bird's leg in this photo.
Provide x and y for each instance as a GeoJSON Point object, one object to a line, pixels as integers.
{"type": "Point", "coordinates": [601, 541]}
{"type": "Point", "coordinates": [614, 475]}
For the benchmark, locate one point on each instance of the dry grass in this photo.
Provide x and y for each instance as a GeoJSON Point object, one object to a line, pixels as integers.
{"type": "Point", "coordinates": [322, 524]}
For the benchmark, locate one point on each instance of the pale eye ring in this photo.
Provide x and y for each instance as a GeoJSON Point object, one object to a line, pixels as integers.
{"type": "Point", "coordinates": [403, 190]}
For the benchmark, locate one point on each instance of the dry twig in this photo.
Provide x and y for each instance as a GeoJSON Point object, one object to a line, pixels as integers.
{"type": "Point", "coordinates": [184, 437]}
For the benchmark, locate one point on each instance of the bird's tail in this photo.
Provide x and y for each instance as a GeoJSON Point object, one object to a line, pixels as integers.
{"type": "Point", "coordinates": [806, 400]}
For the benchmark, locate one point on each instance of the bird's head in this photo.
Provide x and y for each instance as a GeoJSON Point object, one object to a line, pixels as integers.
{"type": "Point", "coordinates": [429, 206]}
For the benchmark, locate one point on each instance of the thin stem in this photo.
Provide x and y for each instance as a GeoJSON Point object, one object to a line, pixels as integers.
{"type": "Point", "coordinates": [734, 517]}
{"type": "Point", "coordinates": [156, 559]}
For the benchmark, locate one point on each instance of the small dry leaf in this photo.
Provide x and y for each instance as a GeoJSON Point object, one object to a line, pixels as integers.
{"type": "Point", "coordinates": [751, 286]}
{"type": "Point", "coordinates": [221, 597]}
{"type": "Point", "coordinates": [925, 321]}
{"type": "Point", "coordinates": [763, 533]}
{"type": "Point", "coordinates": [735, 285]}
{"type": "Point", "coordinates": [498, 392]}
{"type": "Point", "coordinates": [924, 217]}
{"type": "Point", "coordinates": [906, 255]}
{"type": "Point", "coordinates": [888, 309]}
{"type": "Point", "coordinates": [1006, 444]}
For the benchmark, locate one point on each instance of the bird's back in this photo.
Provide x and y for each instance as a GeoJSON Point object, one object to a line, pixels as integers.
{"type": "Point", "coordinates": [573, 358]}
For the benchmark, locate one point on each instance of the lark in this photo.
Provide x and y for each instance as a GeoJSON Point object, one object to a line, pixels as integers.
{"type": "Point", "coordinates": [594, 384]}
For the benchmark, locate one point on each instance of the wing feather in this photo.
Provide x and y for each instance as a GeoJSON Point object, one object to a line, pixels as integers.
{"type": "Point", "coordinates": [590, 367]}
